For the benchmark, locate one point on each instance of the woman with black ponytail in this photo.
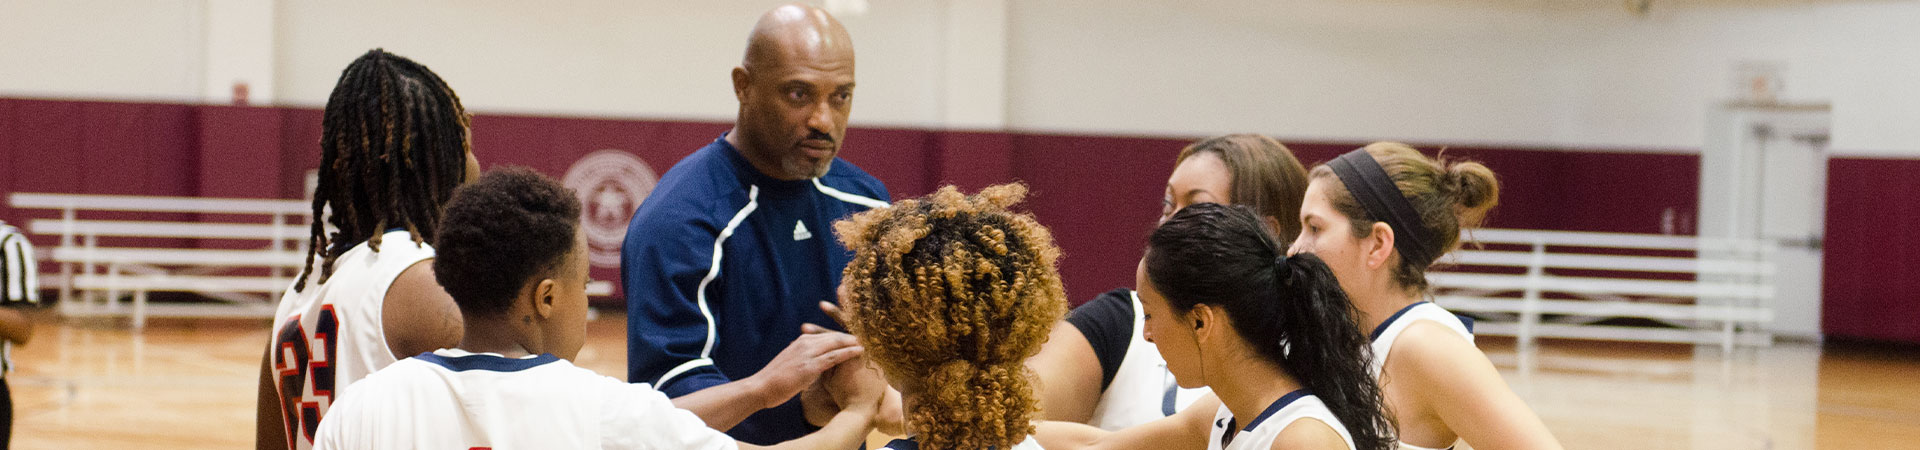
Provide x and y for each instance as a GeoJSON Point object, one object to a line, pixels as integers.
{"type": "Point", "coordinates": [1272, 335]}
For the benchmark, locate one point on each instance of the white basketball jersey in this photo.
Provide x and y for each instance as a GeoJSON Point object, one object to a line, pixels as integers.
{"type": "Point", "coordinates": [1142, 389]}
{"type": "Point", "coordinates": [1258, 434]}
{"type": "Point", "coordinates": [331, 335]}
{"type": "Point", "coordinates": [910, 444]}
{"type": "Point", "coordinates": [453, 399]}
{"type": "Point", "coordinates": [1390, 330]}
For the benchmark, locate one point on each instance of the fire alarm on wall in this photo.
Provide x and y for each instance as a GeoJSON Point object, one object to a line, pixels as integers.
{"type": "Point", "coordinates": [239, 93]}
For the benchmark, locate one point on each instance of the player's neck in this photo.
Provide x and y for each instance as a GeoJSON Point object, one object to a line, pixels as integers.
{"type": "Point", "coordinates": [496, 335]}
{"type": "Point", "coordinates": [1248, 388]}
{"type": "Point", "coordinates": [1382, 304]}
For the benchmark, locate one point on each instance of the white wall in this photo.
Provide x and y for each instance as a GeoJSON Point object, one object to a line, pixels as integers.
{"type": "Point", "coordinates": [1325, 69]}
{"type": "Point", "coordinates": [101, 49]}
{"type": "Point", "coordinates": [655, 58]}
{"type": "Point", "coordinates": [1440, 71]}
{"type": "Point", "coordinates": [1453, 72]}
{"type": "Point", "coordinates": [1647, 82]}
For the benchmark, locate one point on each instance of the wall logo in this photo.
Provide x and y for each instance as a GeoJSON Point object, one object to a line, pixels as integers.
{"type": "Point", "coordinates": [611, 184]}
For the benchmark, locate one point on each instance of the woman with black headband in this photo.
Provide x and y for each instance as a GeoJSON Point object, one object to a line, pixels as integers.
{"type": "Point", "coordinates": [1379, 216]}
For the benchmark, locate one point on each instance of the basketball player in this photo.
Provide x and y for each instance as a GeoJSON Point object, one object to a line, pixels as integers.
{"type": "Point", "coordinates": [1380, 216]}
{"type": "Point", "coordinates": [1101, 371]}
{"type": "Point", "coordinates": [394, 145]}
{"type": "Point", "coordinates": [512, 254]}
{"type": "Point", "coordinates": [19, 290]}
{"type": "Point", "coordinates": [949, 295]}
{"type": "Point", "coordinates": [1271, 334]}
{"type": "Point", "coordinates": [730, 255]}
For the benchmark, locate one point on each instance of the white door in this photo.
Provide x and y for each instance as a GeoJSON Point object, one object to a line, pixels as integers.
{"type": "Point", "coordinates": [1766, 178]}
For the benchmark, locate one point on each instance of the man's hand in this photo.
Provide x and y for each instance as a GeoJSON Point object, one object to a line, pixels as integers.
{"type": "Point", "coordinates": [817, 405]}
{"type": "Point", "coordinates": [891, 418]}
{"type": "Point", "coordinates": [801, 363]}
{"type": "Point", "coordinates": [856, 384]}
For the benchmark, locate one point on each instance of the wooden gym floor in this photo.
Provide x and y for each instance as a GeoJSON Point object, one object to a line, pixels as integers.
{"type": "Point", "coordinates": [191, 384]}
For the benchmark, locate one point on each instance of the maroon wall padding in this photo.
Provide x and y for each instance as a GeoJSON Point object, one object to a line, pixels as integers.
{"type": "Point", "coordinates": [1871, 285]}
{"type": "Point", "coordinates": [1629, 192]}
{"type": "Point", "coordinates": [1099, 194]}
{"type": "Point", "coordinates": [97, 148]}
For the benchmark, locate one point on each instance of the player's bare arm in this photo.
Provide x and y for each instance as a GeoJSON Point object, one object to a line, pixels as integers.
{"type": "Point", "coordinates": [270, 431]}
{"type": "Point", "coordinates": [790, 372]}
{"type": "Point", "coordinates": [1459, 385]}
{"type": "Point", "coordinates": [1185, 430]}
{"type": "Point", "coordinates": [1308, 434]}
{"type": "Point", "coordinates": [850, 426]}
{"type": "Point", "coordinates": [1069, 375]}
{"type": "Point", "coordinates": [419, 315]}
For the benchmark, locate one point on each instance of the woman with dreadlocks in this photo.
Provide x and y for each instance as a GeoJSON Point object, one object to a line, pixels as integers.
{"type": "Point", "coordinates": [949, 295]}
{"type": "Point", "coordinates": [1272, 335]}
{"type": "Point", "coordinates": [394, 145]}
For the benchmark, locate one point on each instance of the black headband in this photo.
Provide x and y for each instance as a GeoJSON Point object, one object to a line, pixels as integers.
{"type": "Point", "coordinates": [1376, 193]}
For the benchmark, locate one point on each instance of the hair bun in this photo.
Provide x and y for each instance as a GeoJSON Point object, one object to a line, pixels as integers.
{"type": "Point", "coordinates": [1474, 191]}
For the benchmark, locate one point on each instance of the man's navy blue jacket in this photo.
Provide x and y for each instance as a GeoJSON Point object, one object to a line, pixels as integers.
{"type": "Point", "coordinates": [721, 266]}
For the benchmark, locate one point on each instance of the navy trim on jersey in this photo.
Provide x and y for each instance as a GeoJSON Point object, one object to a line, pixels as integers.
{"type": "Point", "coordinates": [489, 363]}
{"type": "Point", "coordinates": [1383, 325]}
{"type": "Point", "coordinates": [1466, 321]}
{"type": "Point", "coordinates": [1275, 407]}
{"type": "Point", "coordinates": [1172, 397]}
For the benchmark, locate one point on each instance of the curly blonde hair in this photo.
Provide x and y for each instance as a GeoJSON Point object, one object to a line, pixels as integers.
{"type": "Point", "coordinates": [956, 292]}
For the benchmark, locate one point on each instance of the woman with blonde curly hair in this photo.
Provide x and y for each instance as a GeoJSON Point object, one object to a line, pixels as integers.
{"type": "Point", "coordinates": [949, 295]}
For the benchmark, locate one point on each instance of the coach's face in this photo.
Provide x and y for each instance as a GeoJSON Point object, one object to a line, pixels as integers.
{"type": "Point", "coordinates": [795, 92]}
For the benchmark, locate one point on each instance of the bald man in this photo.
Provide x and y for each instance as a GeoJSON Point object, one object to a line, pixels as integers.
{"type": "Point", "coordinates": [734, 251]}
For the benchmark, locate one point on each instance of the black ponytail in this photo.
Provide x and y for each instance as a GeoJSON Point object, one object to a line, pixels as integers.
{"type": "Point", "coordinates": [1289, 308]}
{"type": "Point", "coordinates": [1326, 351]}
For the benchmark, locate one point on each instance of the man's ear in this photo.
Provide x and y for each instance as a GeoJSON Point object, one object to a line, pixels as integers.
{"type": "Point", "coordinates": [740, 81]}
{"type": "Point", "coordinates": [543, 297]}
{"type": "Point", "coordinates": [1382, 241]}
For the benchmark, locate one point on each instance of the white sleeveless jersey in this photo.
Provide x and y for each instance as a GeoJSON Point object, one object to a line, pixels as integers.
{"type": "Point", "coordinates": [1388, 331]}
{"type": "Point", "coordinates": [1259, 433]}
{"type": "Point", "coordinates": [331, 335]}
{"type": "Point", "coordinates": [910, 444]}
{"type": "Point", "coordinates": [1142, 389]}
{"type": "Point", "coordinates": [454, 399]}
{"type": "Point", "coordinates": [1384, 336]}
